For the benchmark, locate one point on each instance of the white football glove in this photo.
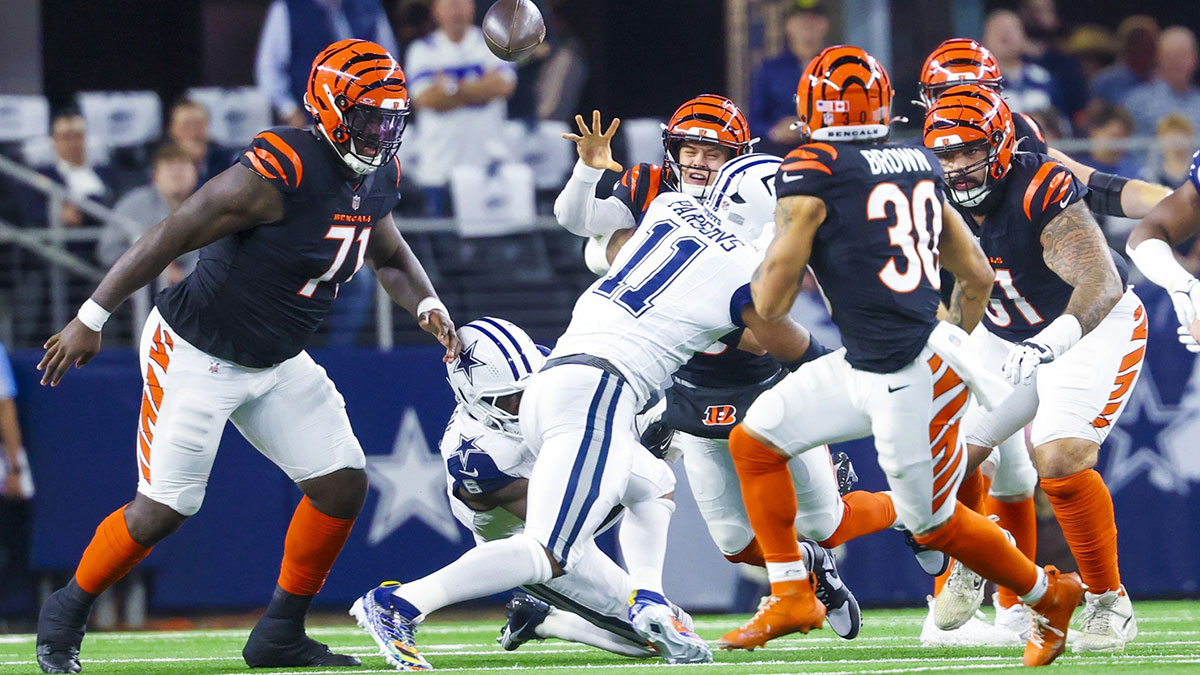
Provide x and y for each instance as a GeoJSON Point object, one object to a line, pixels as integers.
{"type": "Point", "coordinates": [1023, 360]}
{"type": "Point", "coordinates": [1185, 337]}
{"type": "Point", "coordinates": [1186, 299]}
{"type": "Point", "coordinates": [1026, 356]}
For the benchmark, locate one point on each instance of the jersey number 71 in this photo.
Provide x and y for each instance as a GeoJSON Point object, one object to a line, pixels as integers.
{"type": "Point", "coordinates": [637, 299]}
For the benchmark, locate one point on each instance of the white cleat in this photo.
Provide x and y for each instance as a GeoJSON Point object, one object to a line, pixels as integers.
{"type": "Point", "coordinates": [960, 598]}
{"type": "Point", "coordinates": [653, 618]}
{"type": "Point", "coordinates": [1106, 623]}
{"type": "Point", "coordinates": [975, 632]}
{"type": "Point", "coordinates": [1016, 619]}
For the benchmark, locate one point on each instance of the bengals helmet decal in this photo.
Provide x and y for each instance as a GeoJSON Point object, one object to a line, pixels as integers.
{"type": "Point", "coordinates": [844, 94]}
{"type": "Point", "coordinates": [708, 118]}
{"type": "Point", "coordinates": [970, 116]}
{"type": "Point", "coordinates": [358, 98]}
{"type": "Point", "coordinates": [958, 61]}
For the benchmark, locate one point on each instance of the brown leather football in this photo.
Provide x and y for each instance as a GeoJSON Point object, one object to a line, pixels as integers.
{"type": "Point", "coordinates": [513, 29]}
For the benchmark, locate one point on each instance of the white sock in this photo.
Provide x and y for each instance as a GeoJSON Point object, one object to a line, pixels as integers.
{"type": "Point", "coordinates": [574, 628]}
{"type": "Point", "coordinates": [1035, 594]}
{"type": "Point", "coordinates": [643, 538]}
{"type": "Point", "coordinates": [489, 568]}
{"type": "Point", "coordinates": [786, 571]}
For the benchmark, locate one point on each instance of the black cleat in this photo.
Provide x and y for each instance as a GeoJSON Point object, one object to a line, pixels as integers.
{"type": "Point", "coordinates": [841, 607]}
{"type": "Point", "coordinates": [61, 624]}
{"type": "Point", "coordinates": [525, 613]}
{"type": "Point", "coordinates": [846, 478]}
{"type": "Point", "coordinates": [277, 644]}
{"type": "Point", "coordinates": [934, 563]}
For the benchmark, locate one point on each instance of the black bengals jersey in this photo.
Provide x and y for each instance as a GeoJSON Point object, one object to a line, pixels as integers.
{"type": "Point", "coordinates": [1029, 135]}
{"type": "Point", "coordinates": [1027, 294]}
{"type": "Point", "coordinates": [256, 296]}
{"type": "Point", "coordinates": [639, 186]}
{"type": "Point", "coordinates": [875, 256]}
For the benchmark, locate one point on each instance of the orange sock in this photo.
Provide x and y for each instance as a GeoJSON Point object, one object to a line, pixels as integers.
{"type": "Point", "coordinates": [313, 542]}
{"type": "Point", "coordinates": [1084, 509]}
{"type": "Point", "coordinates": [110, 555]}
{"type": "Point", "coordinates": [1020, 520]}
{"type": "Point", "coordinates": [769, 495]}
{"type": "Point", "coordinates": [981, 546]}
{"type": "Point", "coordinates": [862, 513]}
{"type": "Point", "coordinates": [751, 555]}
{"type": "Point", "coordinates": [972, 493]}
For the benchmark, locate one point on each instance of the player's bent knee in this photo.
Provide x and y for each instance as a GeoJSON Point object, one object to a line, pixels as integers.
{"type": "Point", "coordinates": [541, 560]}
{"type": "Point", "coordinates": [150, 521]}
{"type": "Point", "coordinates": [1065, 456]}
{"type": "Point", "coordinates": [339, 494]}
{"type": "Point", "coordinates": [766, 413]}
{"type": "Point", "coordinates": [818, 526]}
{"type": "Point", "coordinates": [730, 537]}
{"type": "Point", "coordinates": [1013, 481]}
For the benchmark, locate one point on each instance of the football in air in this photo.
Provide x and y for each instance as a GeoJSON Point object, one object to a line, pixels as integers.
{"type": "Point", "coordinates": [513, 29]}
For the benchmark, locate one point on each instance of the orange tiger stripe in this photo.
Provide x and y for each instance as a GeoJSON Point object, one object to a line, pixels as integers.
{"type": "Point", "coordinates": [144, 460]}
{"type": "Point", "coordinates": [154, 388]}
{"type": "Point", "coordinates": [651, 194]}
{"type": "Point", "coordinates": [1037, 130]}
{"type": "Point", "coordinates": [1054, 183]}
{"type": "Point", "coordinates": [147, 418]}
{"type": "Point", "coordinates": [287, 150]}
{"type": "Point", "coordinates": [947, 413]}
{"type": "Point", "coordinates": [258, 165]}
{"type": "Point", "coordinates": [935, 362]}
{"type": "Point", "coordinates": [266, 156]}
{"type": "Point", "coordinates": [634, 174]}
{"type": "Point", "coordinates": [167, 339]}
{"type": "Point", "coordinates": [1110, 408]}
{"type": "Point", "coordinates": [948, 381]}
{"type": "Point", "coordinates": [1140, 332]}
{"type": "Point", "coordinates": [1036, 183]}
{"type": "Point", "coordinates": [1132, 358]}
{"type": "Point", "coordinates": [833, 153]}
{"type": "Point", "coordinates": [798, 165]}
{"type": "Point", "coordinates": [158, 353]}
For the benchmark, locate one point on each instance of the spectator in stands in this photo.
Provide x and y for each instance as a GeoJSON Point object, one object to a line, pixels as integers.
{"type": "Point", "coordinates": [1039, 18]}
{"type": "Point", "coordinates": [773, 85]}
{"type": "Point", "coordinates": [71, 168]}
{"type": "Point", "coordinates": [550, 82]}
{"type": "Point", "coordinates": [188, 129]}
{"type": "Point", "coordinates": [1137, 37]}
{"type": "Point", "coordinates": [295, 31]}
{"type": "Point", "coordinates": [1171, 90]}
{"type": "Point", "coordinates": [16, 491]}
{"type": "Point", "coordinates": [1094, 47]}
{"type": "Point", "coordinates": [458, 88]}
{"type": "Point", "coordinates": [174, 177]}
{"type": "Point", "coordinates": [1109, 127]}
{"type": "Point", "coordinates": [1174, 145]}
{"type": "Point", "coordinates": [1028, 86]}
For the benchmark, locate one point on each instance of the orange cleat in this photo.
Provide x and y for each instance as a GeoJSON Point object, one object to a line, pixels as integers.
{"type": "Point", "coordinates": [792, 607]}
{"type": "Point", "coordinates": [1051, 614]}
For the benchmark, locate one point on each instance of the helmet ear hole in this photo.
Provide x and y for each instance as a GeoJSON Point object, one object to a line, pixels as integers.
{"type": "Point", "coordinates": [339, 135]}
{"type": "Point", "coordinates": [341, 101]}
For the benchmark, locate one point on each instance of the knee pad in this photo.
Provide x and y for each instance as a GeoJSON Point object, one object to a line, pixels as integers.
{"type": "Point", "coordinates": [731, 537]}
{"type": "Point", "coordinates": [1015, 473]}
{"type": "Point", "coordinates": [819, 525]}
{"type": "Point", "coordinates": [539, 557]}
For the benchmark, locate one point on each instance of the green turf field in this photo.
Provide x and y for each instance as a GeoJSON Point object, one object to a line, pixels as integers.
{"type": "Point", "coordinates": [1169, 642]}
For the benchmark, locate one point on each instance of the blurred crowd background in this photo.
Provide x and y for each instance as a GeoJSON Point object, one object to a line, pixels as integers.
{"type": "Point", "coordinates": [112, 113]}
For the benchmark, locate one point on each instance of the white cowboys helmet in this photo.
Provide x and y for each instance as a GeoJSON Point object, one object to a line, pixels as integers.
{"type": "Point", "coordinates": [743, 195]}
{"type": "Point", "coordinates": [497, 359]}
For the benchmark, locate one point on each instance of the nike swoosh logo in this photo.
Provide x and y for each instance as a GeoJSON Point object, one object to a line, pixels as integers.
{"type": "Point", "coordinates": [1063, 203]}
{"type": "Point", "coordinates": [473, 474]}
{"type": "Point", "coordinates": [892, 390]}
{"type": "Point", "coordinates": [787, 177]}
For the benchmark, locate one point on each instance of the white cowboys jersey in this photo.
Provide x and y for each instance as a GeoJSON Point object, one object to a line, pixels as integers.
{"type": "Point", "coordinates": [479, 459]}
{"type": "Point", "coordinates": [677, 286]}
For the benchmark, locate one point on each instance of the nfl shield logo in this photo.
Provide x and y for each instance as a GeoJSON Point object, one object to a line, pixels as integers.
{"type": "Point", "coordinates": [355, 202]}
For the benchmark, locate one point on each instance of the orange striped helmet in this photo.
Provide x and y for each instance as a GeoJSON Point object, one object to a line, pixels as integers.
{"type": "Point", "coordinates": [965, 117]}
{"type": "Point", "coordinates": [358, 97]}
{"type": "Point", "coordinates": [844, 94]}
{"type": "Point", "coordinates": [710, 119]}
{"type": "Point", "coordinates": [958, 61]}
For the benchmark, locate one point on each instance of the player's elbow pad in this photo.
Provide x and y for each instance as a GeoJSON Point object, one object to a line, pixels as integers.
{"type": "Point", "coordinates": [1104, 193]}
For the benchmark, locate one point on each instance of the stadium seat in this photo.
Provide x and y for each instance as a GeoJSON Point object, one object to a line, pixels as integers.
{"type": "Point", "coordinates": [23, 117]}
{"type": "Point", "coordinates": [643, 141]}
{"type": "Point", "coordinates": [235, 114]}
{"type": "Point", "coordinates": [493, 200]}
{"type": "Point", "coordinates": [122, 119]}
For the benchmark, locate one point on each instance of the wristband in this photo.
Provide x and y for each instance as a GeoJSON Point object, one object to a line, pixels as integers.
{"type": "Point", "coordinates": [429, 304]}
{"type": "Point", "coordinates": [1104, 194]}
{"type": "Point", "coordinates": [92, 315]}
{"type": "Point", "coordinates": [815, 351]}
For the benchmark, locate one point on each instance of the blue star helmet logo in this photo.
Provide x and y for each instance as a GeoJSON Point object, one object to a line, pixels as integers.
{"type": "Point", "coordinates": [467, 361]}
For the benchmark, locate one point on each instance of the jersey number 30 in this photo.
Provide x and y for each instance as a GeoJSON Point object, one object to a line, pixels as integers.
{"type": "Point", "coordinates": [637, 299]}
{"type": "Point", "coordinates": [918, 226]}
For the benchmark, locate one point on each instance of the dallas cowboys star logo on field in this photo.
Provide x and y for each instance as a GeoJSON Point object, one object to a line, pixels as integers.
{"type": "Point", "coordinates": [411, 484]}
{"type": "Point", "coordinates": [467, 361]}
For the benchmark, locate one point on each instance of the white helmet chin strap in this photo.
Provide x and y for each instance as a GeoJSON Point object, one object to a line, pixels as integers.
{"type": "Point", "coordinates": [971, 197]}
{"type": "Point", "coordinates": [692, 189]}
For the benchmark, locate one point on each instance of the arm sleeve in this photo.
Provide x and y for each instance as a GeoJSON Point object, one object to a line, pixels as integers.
{"type": "Point", "coordinates": [741, 297]}
{"type": "Point", "coordinates": [274, 159]}
{"type": "Point", "coordinates": [1194, 171]}
{"type": "Point", "coordinates": [579, 211]}
{"type": "Point", "coordinates": [271, 63]}
{"type": "Point", "coordinates": [1051, 191]}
